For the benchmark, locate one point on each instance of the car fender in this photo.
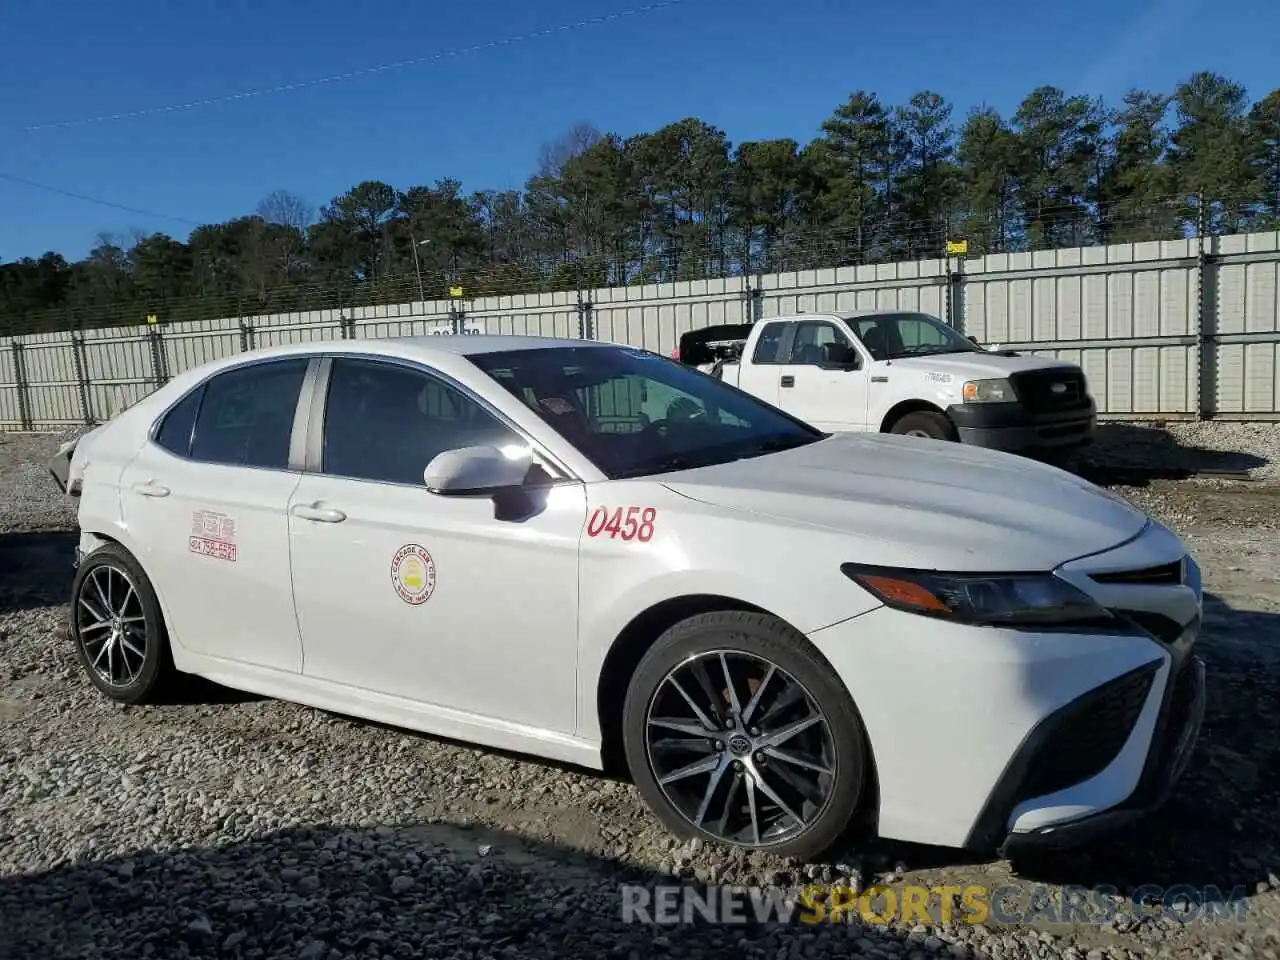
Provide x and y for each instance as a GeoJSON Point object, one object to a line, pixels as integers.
{"type": "Point", "coordinates": [717, 552]}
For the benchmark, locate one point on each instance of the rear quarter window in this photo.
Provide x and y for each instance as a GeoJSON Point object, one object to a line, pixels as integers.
{"type": "Point", "coordinates": [179, 423]}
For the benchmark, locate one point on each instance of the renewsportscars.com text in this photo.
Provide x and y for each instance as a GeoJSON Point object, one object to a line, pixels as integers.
{"type": "Point", "coordinates": [974, 904]}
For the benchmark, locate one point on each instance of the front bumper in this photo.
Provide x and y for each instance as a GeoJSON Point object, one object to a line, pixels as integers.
{"type": "Point", "coordinates": [997, 740]}
{"type": "Point", "coordinates": [1013, 428]}
{"type": "Point", "coordinates": [1167, 760]}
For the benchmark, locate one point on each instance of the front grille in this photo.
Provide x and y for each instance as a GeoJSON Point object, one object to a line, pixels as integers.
{"type": "Point", "coordinates": [1046, 391]}
{"type": "Point", "coordinates": [1165, 573]}
{"type": "Point", "coordinates": [1088, 734]}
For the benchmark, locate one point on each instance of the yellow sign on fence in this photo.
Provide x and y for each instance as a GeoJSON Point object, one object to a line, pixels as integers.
{"type": "Point", "coordinates": [960, 247]}
{"type": "Point", "coordinates": [151, 319]}
{"type": "Point", "coordinates": [455, 291]}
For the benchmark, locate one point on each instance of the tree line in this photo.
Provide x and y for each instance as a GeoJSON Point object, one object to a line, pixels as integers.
{"type": "Point", "coordinates": [878, 183]}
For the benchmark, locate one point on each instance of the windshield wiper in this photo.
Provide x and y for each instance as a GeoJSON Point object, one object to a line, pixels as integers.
{"type": "Point", "coordinates": [930, 353]}
{"type": "Point", "coordinates": [710, 457]}
{"type": "Point", "coordinates": [665, 465]}
{"type": "Point", "coordinates": [774, 444]}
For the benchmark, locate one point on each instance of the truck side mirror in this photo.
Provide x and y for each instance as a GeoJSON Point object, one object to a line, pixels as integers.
{"type": "Point", "coordinates": [840, 356]}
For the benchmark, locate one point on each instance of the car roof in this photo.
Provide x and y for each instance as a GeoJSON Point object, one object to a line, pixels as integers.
{"type": "Point", "coordinates": [421, 347]}
{"type": "Point", "coordinates": [490, 343]}
{"type": "Point", "coordinates": [848, 314]}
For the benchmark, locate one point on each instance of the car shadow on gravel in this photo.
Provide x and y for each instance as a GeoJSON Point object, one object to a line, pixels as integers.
{"type": "Point", "coordinates": [36, 568]}
{"type": "Point", "coordinates": [36, 571]}
{"type": "Point", "coordinates": [1134, 455]}
{"type": "Point", "coordinates": [392, 891]}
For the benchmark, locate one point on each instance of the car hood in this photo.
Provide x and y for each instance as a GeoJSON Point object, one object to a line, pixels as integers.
{"type": "Point", "coordinates": [923, 503]}
{"type": "Point", "coordinates": [975, 366]}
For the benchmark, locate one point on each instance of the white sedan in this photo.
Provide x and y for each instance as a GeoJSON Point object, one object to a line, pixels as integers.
{"type": "Point", "coordinates": [588, 552]}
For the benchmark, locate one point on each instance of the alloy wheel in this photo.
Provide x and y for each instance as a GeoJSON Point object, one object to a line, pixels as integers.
{"type": "Point", "coordinates": [111, 626]}
{"type": "Point", "coordinates": [740, 748]}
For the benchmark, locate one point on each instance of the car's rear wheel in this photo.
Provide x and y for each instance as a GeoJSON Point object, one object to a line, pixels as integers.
{"type": "Point", "coordinates": [926, 424]}
{"type": "Point", "coordinates": [117, 627]}
{"type": "Point", "coordinates": [737, 732]}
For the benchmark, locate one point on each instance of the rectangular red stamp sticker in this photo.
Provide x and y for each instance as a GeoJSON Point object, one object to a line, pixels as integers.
{"type": "Point", "coordinates": [212, 535]}
{"type": "Point", "coordinates": [212, 548]}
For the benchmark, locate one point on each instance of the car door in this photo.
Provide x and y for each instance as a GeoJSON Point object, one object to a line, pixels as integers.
{"type": "Point", "coordinates": [442, 600]}
{"type": "Point", "coordinates": [829, 397]}
{"type": "Point", "coordinates": [758, 375]}
{"type": "Point", "coordinates": [205, 501]}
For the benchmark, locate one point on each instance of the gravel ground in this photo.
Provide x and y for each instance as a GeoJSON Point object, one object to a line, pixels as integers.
{"type": "Point", "coordinates": [230, 826]}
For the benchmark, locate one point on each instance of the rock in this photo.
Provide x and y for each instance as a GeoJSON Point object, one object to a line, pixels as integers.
{"type": "Point", "coordinates": [202, 926]}
{"type": "Point", "coordinates": [401, 884]}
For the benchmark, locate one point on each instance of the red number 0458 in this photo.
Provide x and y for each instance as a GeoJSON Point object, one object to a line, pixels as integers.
{"type": "Point", "coordinates": [635, 523]}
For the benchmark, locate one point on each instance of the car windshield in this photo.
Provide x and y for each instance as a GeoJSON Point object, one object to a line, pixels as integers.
{"type": "Point", "coordinates": [892, 336]}
{"type": "Point", "coordinates": [634, 413]}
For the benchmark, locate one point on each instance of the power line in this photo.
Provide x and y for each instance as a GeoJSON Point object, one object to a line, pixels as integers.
{"type": "Point", "coordinates": [365, 71]}
{"type": "Point", "coordinates": [14, 178]}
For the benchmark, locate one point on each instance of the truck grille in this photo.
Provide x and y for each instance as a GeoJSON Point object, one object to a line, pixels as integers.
{"type": "Point", "coordinates": [1044, 391]}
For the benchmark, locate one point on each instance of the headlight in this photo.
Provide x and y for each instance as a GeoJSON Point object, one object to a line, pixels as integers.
{"type": "Point", "coordinates": [988, 391]}
{"type": "Point", "coordinates": [995, 600]}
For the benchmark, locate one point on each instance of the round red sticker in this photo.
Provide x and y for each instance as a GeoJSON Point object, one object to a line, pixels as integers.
{"type": "Point", "coordinates": [413, 574]}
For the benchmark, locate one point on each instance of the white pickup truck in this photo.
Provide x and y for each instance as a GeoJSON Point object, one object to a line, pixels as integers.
{"type": "Point", "coordinates": [900, 372]}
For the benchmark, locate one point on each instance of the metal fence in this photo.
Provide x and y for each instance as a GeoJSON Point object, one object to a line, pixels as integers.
{"type": "Point", "coordinates": [1167, 329]}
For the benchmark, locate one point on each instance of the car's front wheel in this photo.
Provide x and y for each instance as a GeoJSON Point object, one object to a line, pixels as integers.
{"type": "Point", "coordinates": [117, 626]}
{"type": "Point", "coordinates": [736, 731]}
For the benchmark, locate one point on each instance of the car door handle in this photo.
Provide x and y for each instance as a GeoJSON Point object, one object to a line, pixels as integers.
{"type": "Point", "coordinates": [787, 381]}
{"type": "Point", "coordinates": [319, 514]}
{"type": "Point", "coordinates": [150, 489]}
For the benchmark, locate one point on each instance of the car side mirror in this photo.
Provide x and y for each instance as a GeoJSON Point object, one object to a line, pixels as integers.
{"type": "Point", "coordinates": [472, 471]}
{"type": "Point", "coordinates": [840, 356]}
{"type": "Point", "coordinates": [974, 340]}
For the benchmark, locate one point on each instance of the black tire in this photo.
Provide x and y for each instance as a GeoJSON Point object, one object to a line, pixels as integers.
{"type": "Point", "coordinates": [927, 423]}
{"type": "Point", "coordinates": [769, 639]}
{"type": "Point", "coordinates": [113, 564]}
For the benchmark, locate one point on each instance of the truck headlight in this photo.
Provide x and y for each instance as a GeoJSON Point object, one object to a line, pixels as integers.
{"type": "Point", "coordinates": [988, 391]}
{"type": "Point", "coordinates": [992, 600]}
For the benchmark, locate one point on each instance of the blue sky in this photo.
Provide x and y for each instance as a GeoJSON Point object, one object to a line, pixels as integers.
{"type": "Point", "coordinates": [756, 68]}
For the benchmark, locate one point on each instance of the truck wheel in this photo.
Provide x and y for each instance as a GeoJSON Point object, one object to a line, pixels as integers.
{"type": "Point", "coordinates": [924, 423]}
{"type": "Point", "coordinates": [738, 733]}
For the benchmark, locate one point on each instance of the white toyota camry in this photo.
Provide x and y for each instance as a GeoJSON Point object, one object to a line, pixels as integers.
{"type": "Point", "coordinates": [588, 552]}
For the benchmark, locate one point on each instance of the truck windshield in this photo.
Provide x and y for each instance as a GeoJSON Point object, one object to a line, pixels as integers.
{"type": "Point", "coordinates": [891, 336]}
{"type": "Point", "coordinates": [634, 413]}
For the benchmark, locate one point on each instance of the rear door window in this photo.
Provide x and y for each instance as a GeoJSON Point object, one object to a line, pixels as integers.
{"type": "Point", "coordinates": [246, 418]}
